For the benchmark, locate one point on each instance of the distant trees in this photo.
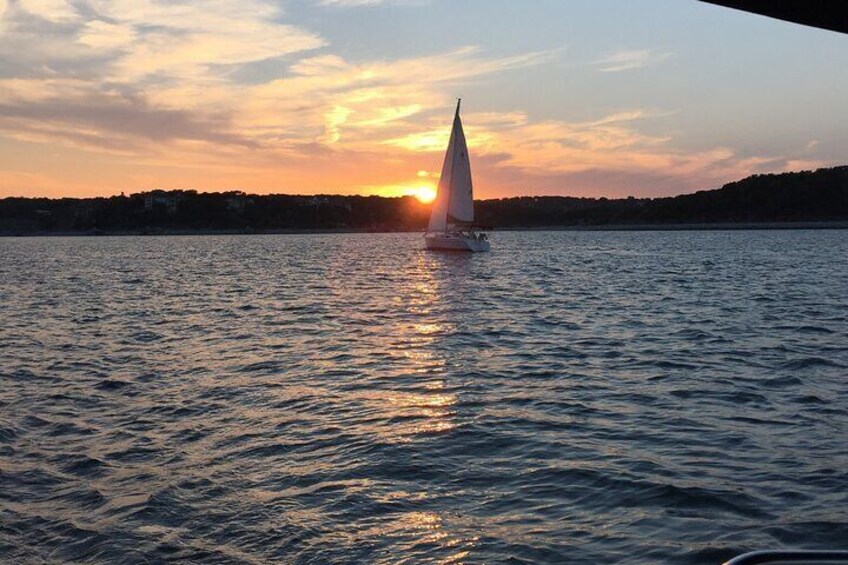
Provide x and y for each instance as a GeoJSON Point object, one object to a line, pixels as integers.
{"type": "Point", "coordinates": [173, 211]}
{"type": "Point", "coordinates": [820, 195]}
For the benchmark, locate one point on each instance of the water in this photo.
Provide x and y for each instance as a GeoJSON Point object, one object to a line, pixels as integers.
{"type": "Point", "coordinates": [567, 398]}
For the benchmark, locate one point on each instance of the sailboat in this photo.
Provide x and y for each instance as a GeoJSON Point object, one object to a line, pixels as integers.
{"type": "Point", "coordinates": [452, 217]}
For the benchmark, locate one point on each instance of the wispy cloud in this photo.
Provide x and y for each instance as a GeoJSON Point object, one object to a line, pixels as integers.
{"type": "Point", "coordinates": [361, 3]}
{"type": "Point", "coordinates": [140, 38]}
{"type": "Point", "coordinates": [350, 3]}
{"type": "Point", "coordinates": [628, 60]}
{"type": "Point", "coordinates": [56, 11]}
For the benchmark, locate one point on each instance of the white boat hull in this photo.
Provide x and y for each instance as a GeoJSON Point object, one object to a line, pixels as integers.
{"type": "Point", "coordinates": [455, 242]}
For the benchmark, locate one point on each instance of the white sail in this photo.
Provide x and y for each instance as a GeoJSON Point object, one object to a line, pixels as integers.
{"type": "Point", "coordinates": [454, 199]}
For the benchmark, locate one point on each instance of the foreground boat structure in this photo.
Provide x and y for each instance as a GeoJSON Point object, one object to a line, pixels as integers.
{"type": "Point", "coordinates": [791, 557]}
{"type": "Point", "coordinates": [451, 224]}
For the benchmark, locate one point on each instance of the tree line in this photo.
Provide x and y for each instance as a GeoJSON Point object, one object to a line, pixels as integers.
{"type": "Point", "coordinates": [807, 196]}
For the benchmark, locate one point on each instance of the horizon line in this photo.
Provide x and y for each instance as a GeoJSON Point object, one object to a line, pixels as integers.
{"type": "Point", "coordinates": [338, 195]}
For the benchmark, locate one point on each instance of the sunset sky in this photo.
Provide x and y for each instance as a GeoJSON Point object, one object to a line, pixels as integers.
{"type": "Point", "coordinates": [581, 97]}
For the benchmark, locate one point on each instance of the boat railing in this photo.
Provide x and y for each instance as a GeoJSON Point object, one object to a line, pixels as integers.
{"type": "Point", "coordinates": [791, 557]}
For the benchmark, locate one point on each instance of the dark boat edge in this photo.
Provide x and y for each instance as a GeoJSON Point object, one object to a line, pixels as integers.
{"type": "Point", "coordinates": [798, 557]}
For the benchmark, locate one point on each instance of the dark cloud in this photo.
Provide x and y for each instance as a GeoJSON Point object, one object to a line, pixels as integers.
{"type": "Point", "coordinates": [117, 119]}
{"type": "Point", "coordinates": [34, 47]}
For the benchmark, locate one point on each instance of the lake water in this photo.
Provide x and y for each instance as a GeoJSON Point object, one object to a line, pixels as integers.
{"type": "Point", "coordinates": [570, 397]}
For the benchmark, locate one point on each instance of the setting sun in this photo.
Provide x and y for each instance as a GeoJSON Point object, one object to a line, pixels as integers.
{"type": "Point", "coordinates": [424, 193]}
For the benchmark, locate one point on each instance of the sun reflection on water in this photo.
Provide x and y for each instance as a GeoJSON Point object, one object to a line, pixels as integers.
{"type": "Point", "coordinates": [420, 406]}
{"type": "Point", "coordinates": [402, 396]}
{"type": "Point", "coordinates": [425, 405]}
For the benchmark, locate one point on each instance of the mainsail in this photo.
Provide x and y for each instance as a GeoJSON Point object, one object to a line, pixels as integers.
{"type": "Point", "coordinates": [454, 202]}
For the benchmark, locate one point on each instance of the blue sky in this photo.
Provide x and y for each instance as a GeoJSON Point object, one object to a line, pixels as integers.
{"type": "Point", "coordinates": [589, 98]}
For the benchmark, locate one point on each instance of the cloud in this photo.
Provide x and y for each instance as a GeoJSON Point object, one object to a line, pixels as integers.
{"type": "Point", "coordinates": [99, 34]}
{"type": "Point", "coordinates": [157, 85]}
{"type": "Point", "coordinates": [612, 145]}
{"type": "Point", "coordinates": [351, 3]}
{"type": "Point", "coordinates": [153, 83]}
{"type": "Point", "coordinates": [56, 11]}
{"type": "Point", "coordinates": [143, 38]}
{"type": "Point", "coordinates": [798, 165]}
{"type": "Point", "coordinates": [185, 40]}
{"type": "Point", "coordinates": [113, 121]}
{"type": "Point", "coordinates": [80, 73]}
{"type": "Point", "coordinates": [361, 3]}
{"type": "Point", "coordinates": [360, 105]}
{"type": "Point", "coordinates": [628, 60]}
{"type": "Point", "coordinates": [164, 71]}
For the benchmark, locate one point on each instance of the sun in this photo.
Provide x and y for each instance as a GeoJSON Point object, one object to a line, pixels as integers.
{"type": "Point", "coordinates": [424, 193]}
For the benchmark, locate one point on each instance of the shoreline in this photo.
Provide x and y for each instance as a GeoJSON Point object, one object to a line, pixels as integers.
{"type": "Point", "coordinates": [718, 226]}
{"type": "Point", "coordinates": [700, 226]}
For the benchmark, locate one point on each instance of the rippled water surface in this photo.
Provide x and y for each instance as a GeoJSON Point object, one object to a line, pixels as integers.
{"type": "Point", "coordinates": [570, 397]}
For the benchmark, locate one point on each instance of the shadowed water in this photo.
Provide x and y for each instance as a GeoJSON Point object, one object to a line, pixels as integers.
{"type": "Point", "coordinates": [641, 397]}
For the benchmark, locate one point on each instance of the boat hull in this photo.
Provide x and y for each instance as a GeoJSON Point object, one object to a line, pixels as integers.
{"type": "Point", "coordinates": [455, 242]}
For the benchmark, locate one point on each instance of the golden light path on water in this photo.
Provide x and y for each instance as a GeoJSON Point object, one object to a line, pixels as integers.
{"type": "Point", "coordinates": [429, 411]}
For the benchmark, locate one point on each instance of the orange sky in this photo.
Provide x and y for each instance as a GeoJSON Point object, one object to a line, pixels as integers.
{"type": "Point", "coordinates": [251, 95]}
